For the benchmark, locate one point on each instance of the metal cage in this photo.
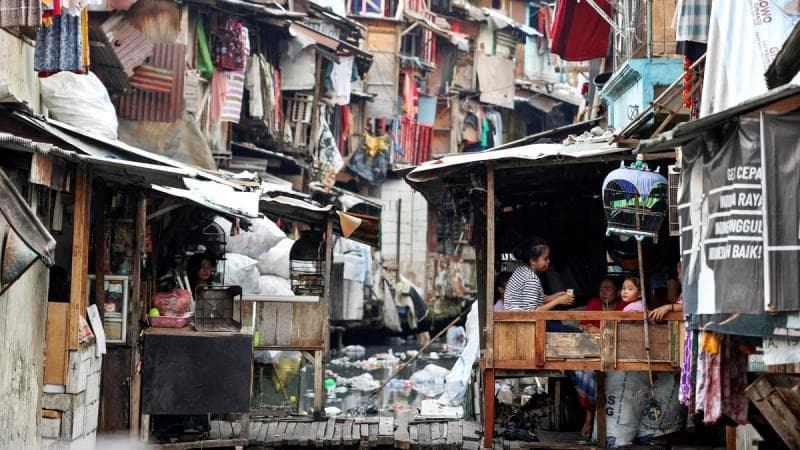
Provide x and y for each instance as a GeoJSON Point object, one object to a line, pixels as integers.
{"type": "Point", "coordinates": [215, 309]}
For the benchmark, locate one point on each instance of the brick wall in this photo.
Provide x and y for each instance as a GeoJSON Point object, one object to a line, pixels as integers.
{"type": "Point", "coordinates": [69, 419]}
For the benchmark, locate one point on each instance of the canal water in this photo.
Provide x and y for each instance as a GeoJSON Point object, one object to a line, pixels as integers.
{"type": "Point", "coordinates": [357, 371]}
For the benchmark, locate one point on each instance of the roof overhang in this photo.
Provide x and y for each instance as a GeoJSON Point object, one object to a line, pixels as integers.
{"type": "Point", "coordinates": [687, 131]}
{"type": "Point", "coordinates": [432, 177]}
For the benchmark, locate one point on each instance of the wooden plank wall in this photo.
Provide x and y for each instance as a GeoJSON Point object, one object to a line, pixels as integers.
{"type": "Point", "coordinates": [295, 325]}
{"type": "Point", "coordinates": [516, 342]}
{"type": "Point", "coordinates": [23, 308]}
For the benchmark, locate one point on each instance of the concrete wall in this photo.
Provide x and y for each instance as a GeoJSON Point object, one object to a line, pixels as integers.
{"type": "Point", "coordinates": [23, 309]}
{"type": "Point", "coordinates": [75, 427]}
{"type": "Point", "coordinates": [413, 229]}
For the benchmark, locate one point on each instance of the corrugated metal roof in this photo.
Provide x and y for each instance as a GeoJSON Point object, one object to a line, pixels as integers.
{"type": "Point", "coordinates": [117, 48]}
{"type": "Point", "coordinates": [154, 106]}
{"type": "Point", "coordinates": [152, 79]}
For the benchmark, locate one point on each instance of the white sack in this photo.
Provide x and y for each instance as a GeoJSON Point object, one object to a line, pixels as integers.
{"type": "Point", "coordinates": [626, 395]}
{"type": "Point", "coordinates": [276, 260]}
{"type": "Point", "coordinates": [81, 101]}
{"type": "Point", "coordinates": [263, 235]}
{"type": "Point", "coordinates": [272, 285]}
{"type": "Point", "coordinates": [240, 270]}
{"type": "Point", "coordinates": [457, 381]}
{"type": "Point", "coordinates": [668, 417]}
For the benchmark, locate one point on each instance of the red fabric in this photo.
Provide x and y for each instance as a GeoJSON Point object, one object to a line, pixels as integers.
{"type": "Point", "coordinates": [579, 33]}
{"type": "Point", "coordinates": [596, 304]}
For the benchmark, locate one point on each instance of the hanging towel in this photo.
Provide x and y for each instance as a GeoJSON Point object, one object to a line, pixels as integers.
{"type": "Point", "coordinates": [204, 64]}
{"type": "Point", "coordinates": [579, 32]}
{"type": "Point", "coordinates": [340, 77]}
{"type": "Point", "coordinates": [252, 81]}
{"type": "Point", "coordinates": [693, 18]}
{"type": "Point", "coordinates": [219, 87]}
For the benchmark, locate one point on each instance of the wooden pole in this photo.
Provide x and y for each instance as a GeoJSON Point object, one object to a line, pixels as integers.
{"type": "Point", "coordinates": [488, 408]}
{"type": "Point", "coordinates": [136, 317]}
{"type": "Point", "coordinates": [100, 250]}
{"type": "Point", "coordinates": [319, 367]}
{"type": "Point", "coordinates": [397, 240]}
{"type": "Point", "coordinates": [490, 263]}
{"type": "Point", "coordinates": [80, 255]}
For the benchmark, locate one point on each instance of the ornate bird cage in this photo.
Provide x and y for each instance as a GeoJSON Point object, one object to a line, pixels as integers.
{"type": "Point", "coordinates": [307, 264]}
{"type": "Point", "coordinates": [635, 200]}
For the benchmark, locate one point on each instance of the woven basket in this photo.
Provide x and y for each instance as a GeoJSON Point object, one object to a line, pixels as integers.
{"type": "Point", "coordinates": [169, 321]}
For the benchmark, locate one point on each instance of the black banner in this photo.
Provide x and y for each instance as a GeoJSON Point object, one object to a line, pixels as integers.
{"type": "Point", "coordinates": [722, 221]}
{"type": "Point", "coordinates": [781, 166]}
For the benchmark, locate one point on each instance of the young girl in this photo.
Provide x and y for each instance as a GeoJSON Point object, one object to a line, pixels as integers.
{"type": "Point", "coordinates": [631, 294]}
{"type": "Point", "coordinates": [524, 289]}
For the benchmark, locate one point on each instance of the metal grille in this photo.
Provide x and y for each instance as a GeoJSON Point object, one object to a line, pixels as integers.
{"type": "Point", "coordinates": [214, 308]}
{"type": "Point", "coordinates": [308, 277]}
{"type": "Point", "coordinates": [674, 177]}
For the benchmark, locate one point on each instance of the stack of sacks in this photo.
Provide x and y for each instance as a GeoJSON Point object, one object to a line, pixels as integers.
{"type": "Point", "coordinates": [258, 260]}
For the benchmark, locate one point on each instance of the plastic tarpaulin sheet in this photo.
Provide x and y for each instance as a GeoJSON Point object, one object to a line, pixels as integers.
{"type": "Point", "coordinates": [721, 221]}
{"type": "Point", "coordinates": [780, 155]}
{"type": "Point", "coordinates": [744, 37]}
{"type": "Point", "coordinates": [496, 78]}
{"type": "Point", "coordinates": [457, 381]}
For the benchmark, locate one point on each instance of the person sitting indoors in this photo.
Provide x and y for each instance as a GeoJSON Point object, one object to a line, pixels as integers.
{"type": "Point", "coordinates": [201, 268]}
{"type": "Point", "coordinates": [661, 312]}
{"type": "Point", "coordinates": [524, 289]}
{"type": "Point", "coordinates": [631, 295]}
{"type": "Point", "coordinates": [607, 300]}
{"type": "Point", "coordinates": [500, 289]}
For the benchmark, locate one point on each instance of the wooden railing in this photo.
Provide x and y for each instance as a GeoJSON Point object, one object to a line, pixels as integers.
{"type": "Point", "coordinates": [521, 342]}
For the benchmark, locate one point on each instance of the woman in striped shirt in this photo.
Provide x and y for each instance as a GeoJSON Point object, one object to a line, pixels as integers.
{"type": "Point", "coordinates": [524, 290]}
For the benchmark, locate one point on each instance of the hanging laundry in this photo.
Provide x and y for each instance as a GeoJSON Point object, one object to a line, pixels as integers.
{"type": "Point", "coordinates": [20, 13]}
{"type": "Point", "coordinates": [204, 63]}
{"type": "Point", "coordinates": [60, 47]}
{"type": "Point", "coordinates": [496, 120]}
{"type": "Point", "coordinates": [219, 88]}
{"type": "Point", "coordinates": [410, 93]}
{"type": "Point", "coordinates": [232, 105]}
{"type": "Point", "coordinates": [340, 77]}
{"type": "Point", "coordinates": [227, 46]}
{"type": "Point", "coordinates": [579, 33]}
{"type": "Point", "coordinates": [329, 161]}
{"type": "Point", "coordinates": [252, 82]}
{"type": "Point", "coordinates": [692, 18]}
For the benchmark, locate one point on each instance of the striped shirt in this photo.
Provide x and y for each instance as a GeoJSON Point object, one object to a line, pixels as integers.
{"type": "Point", "coordinates": [524, 290]}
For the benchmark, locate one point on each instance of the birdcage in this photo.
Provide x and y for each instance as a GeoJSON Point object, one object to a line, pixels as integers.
{"type": "Point", "coordinates": [635, 200]}
{"type": "Point", "coordinates": [215, 309]}
{"type": "Point", "coordinates": [307, 264]}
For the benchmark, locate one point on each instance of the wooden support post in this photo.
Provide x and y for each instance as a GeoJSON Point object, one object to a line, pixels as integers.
{"type": "Point", "coordinates": [540, 333]}
{"type": "Point", "coordinates": [490, 266]}
{"type": "Point", "coordinates": [80, 254]}
{"type": "Point", "coordinates": [312, 141]}
{"type": "Point", "coordinates": [101, 201]}
{"type": "Point", "coordinates": [136, 317]}
{"type": "Point", "coordinates": [319, 372]}
{"type": "Point", "coordinates": [600, 412]}
{"type": "Point", "coordinates": [488, 408]}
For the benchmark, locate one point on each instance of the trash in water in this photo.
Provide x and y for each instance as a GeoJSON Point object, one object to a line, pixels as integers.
{"type": "Point", "coordinates": [430, 380]}
{"type": "Point", "coordinates": [433, 355]}
{"type": "Point", "coordinates": [362, 410]}
{"type": "Point", "coordinates": [411, 353]}
{"type": "Point", "coordinates": [375, 362]}
{"type": "Point", "coordinates": [354, 351]}
{"type": "Point", "coordinates": [340, 389]}
{"type": "Point", "coordinates": [398, 384]}
{"type": "Point", "coordinates": [363, 382]}
{"type": "Point", "coordinates": [456, 339]}
{"type": "Point", "coordinates": [332, 411]}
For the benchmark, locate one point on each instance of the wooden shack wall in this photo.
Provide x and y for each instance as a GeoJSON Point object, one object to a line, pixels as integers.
{"type": "Point", "coordinates": [23, 309]}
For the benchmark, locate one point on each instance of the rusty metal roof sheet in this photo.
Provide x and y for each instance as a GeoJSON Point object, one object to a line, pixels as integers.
{"type": "Point", "coordinates": [116, 49]}
{"type": "Point", "coordinates": [156, 106]}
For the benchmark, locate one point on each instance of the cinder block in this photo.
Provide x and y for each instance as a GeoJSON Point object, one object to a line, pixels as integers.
{"type": "Point", "coordinates": [77, 372]}
{"type": "Point", "coordinates": [84, 443]}
{"type": "Point", "coordinates": [49, 444]}
{"type": "Point", "coordinates": [78, 419]}
{"type": "Point", "coordinates": [96, 363]}
{"type": "Point", "coordinates": [59, 402]}
{"type": "Point", "coordinates": [90, 422]}
{"type": "Point", "coordinates": [66, 426]}
{"type": "Point", "coordinates": [93, 388]}
{"type": "Point", "coordinates": [50, 428]}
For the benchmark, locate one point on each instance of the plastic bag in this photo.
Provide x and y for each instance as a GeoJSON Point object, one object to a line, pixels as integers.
{"type": "Point", "coordinates": [273, 285]}
{"type": "Point", "coordinates": [175, 303]}
{"type": "Point", "coordinates": [81, 101]}
{"type": "Point", "coordinates": [276, 260]}
{"type": "Point", "coordinates": [240, 270]}
{"type": "Point", "coordinates": [263, 235]}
